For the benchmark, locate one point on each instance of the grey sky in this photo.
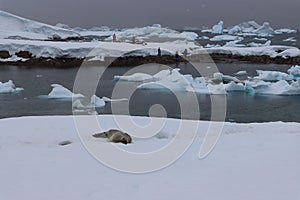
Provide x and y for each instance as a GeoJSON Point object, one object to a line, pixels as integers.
{"type": "Point", "coordinates": [170, 13]}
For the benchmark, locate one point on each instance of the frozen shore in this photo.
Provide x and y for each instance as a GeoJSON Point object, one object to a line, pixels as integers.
{"type": "Point", "coordinates": [250, 161]}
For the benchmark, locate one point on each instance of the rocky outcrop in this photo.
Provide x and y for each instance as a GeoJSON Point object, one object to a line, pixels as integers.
{"type": "Point", "coordinates": [4, 54]}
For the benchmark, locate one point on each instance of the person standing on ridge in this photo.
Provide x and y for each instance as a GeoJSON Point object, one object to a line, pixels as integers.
{"type": "Point", "coordinates": [159, 52]}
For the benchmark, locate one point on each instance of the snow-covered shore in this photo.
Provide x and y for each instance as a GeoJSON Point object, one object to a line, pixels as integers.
{"type": "Point", "coordinates": [250, 161]}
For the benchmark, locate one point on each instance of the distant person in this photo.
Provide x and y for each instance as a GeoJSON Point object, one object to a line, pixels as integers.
{"type": "Point", "coordinates": [133, 39]}
{"type": "Point", "coordinates": [159, 52]}
{"type": "Point", "coordinates": [114, 37]}
{"type": "Point", "coordinates": [177, 58]}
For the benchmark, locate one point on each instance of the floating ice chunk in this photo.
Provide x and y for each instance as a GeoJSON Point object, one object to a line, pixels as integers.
{"type": "Point", "coordinates": [235, 30]}
{"type": "Point", "coordinates": [234, 44]}
{"type": "Point", "coordinates": [235, 87]}
{"type": "Point", "coordinates": [226, 78]}
{"type": "Point", "coordinates": [294, 71]}
{"type": "Point", "coordinates": [291, 39]}
{"type": "Point", "coordinates": [226, 38]}
{"type": "Point", "coordinates": [216, 89]}
{"type": "Point", "coordinates": [260, 39]}
{"type": "Point", "coordinates": [241, 73]}
{"type": "Point", "coordinates": [60, 92]}
{"type": "Point", "coordinates": [218, 28]}
{"type": "Point", "coordinates": [97, 102]}
{"type": "Point", "coordinates": [253, 44]}
{"type": "Point", "coordinates": [137, 77]}
{"type": "Point", "coordinates": [285, 30]}
{"type": "Point", "coordinates": [281, 87]}
{"type": "Point", "coordinates": [265, 30]}
{"type": "Point", "coordinates": [204, 38]}
{"type": "Point", "coordinates": [9, 87]}
{"type": "Point", "coordinates": [272, 76]}
{"type": "Point", "coordinates": [106, 99]}
{"type": "Point", "coordinates": [162, 74]}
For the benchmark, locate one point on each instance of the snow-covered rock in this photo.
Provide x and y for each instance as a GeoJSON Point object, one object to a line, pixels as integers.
{"type": "Point", "coordinates": [9, 87]}
{"type": "Point", "coordinates": [218, 28]}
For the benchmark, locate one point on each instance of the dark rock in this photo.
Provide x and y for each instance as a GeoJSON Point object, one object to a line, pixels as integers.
{"type": "Point", "coordinates": [24, 54]}
{"type": "Point", "coordinates": [4, 54]}
{"type": "Point", "coordinates": [64, 143]}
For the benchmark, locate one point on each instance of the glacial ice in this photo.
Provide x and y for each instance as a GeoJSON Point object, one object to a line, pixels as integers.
{"type": "Point", "coordinates": [9, 87]}
{"type": "Point", "coordinates": [272, 76]}
{"type": "Point", "coordinates": [60, 92]}
{"type": "Point", "coordinates": [218, 28]}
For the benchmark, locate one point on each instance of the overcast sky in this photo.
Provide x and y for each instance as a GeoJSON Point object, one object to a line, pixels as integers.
{"type": "Point", "coordinates": [170, 13]}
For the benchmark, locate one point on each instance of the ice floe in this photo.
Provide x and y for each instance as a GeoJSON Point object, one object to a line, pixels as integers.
{"type": "Point", "coordinates": [60, 92]}
{"type": "Point", "coordinates": [9, 87]}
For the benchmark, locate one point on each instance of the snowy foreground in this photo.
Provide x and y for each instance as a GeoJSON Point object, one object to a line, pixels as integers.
{"type": "Point", "coordinates": [250, 161]}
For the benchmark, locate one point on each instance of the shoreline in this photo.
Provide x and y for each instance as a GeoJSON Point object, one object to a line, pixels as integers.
{"type": "Point", "coordinates": [139, 60]}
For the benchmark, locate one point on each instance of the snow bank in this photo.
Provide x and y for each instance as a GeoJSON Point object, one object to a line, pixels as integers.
{"type": "Point", "coordinates": [60, 92]}
{"type": "Point", "coordinates": [30, 151]}
{"type": "Point", "coordinates": [13, 26]}
{"type": "Point", "coordinates": [9, 87]}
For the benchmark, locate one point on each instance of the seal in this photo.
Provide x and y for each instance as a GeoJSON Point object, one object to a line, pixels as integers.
{"type": "Point", "coordinates": [115, 136]}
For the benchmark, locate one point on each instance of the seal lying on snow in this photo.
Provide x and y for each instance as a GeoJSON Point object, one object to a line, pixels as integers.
{"type": "Point", "coordinates": [115, 136]}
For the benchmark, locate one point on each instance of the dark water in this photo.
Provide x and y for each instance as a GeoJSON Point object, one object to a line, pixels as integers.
{"type": "Point", "coordinates": [241, 107]}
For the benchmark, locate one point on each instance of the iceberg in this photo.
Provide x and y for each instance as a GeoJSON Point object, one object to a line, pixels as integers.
{"type": "Point", "coordinates": [241, 73]}
{"type": "Point", "coordinates": [226, 78]}
{"type": "Point", "coordinates": [60, 92]}
{"type": "Point", "coordinates": [235, 87]}
{"type": "Point", "coordinates": [218, 28]}
{"type": "Point", "coordinates": [137, 77]}
{"type": "Point", "coordinates": [272, 76]}
{"type": "Point", "coordinates": [265, 30]}
{"type": "Point", "coordinates": [294, 71]}
{"type": "Point", "coordinates": [9, 87]}
{"type": "Point", "coordinates": [281, 87]}
{"type": "Point", "coordinates": [226, 37]}
{"type": "Point", "coordinates": [97, 102]}
{"type": "Point", "coordinates": [284, 31]}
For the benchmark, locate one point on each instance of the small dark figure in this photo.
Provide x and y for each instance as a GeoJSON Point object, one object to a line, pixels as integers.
{"type": "Point", "coordinates": [159, 52]}
{"type": "Point", "coordinates": [177, 58]}
{"type": "Point", "coordinates": [114, 37]}
{"type": "Point", "coordinates": [133, 40]}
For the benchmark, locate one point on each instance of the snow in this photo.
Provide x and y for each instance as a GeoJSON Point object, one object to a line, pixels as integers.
{"type": "Point", "coordinates": [35, 167]}
{"type": "Point", "coordinates": [60, 92]}
{"type": "Point", "coordinates": [14, 26]}
{"type": "Point", "coordinates": [218, 28]}
{"type": "Point", "coordinates": [9, 87]}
